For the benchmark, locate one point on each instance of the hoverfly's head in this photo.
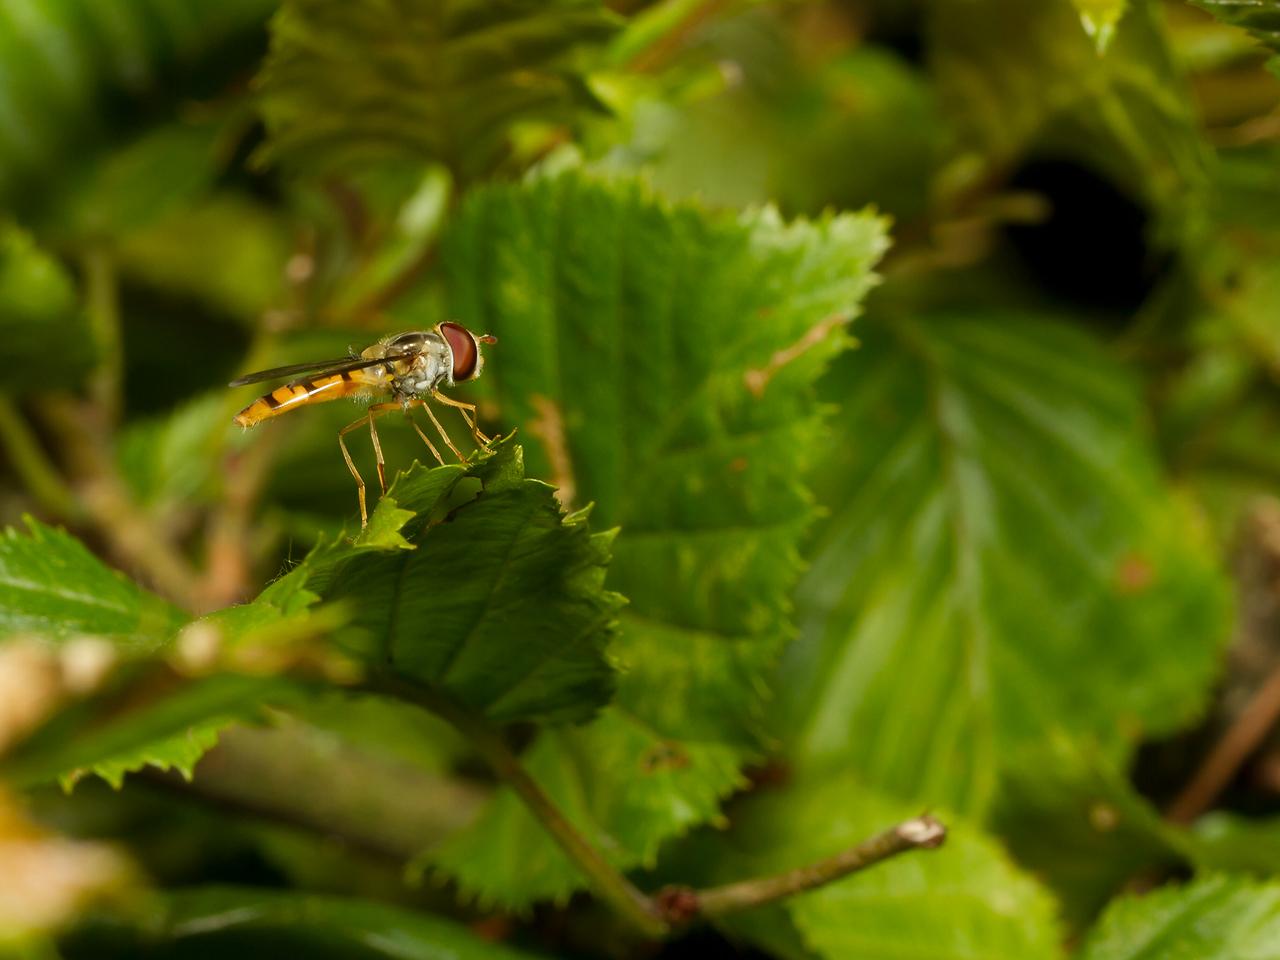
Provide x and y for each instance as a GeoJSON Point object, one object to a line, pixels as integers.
{"type": "Point", "coordinates": [464, 348]}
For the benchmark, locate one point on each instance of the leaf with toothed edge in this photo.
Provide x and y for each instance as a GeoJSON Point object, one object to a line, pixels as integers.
{"type": "Point", "coordinates": [666, 357]}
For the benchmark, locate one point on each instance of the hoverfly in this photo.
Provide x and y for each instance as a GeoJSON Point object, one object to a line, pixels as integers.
{"type": "Point", "coordinates": [410, 367]}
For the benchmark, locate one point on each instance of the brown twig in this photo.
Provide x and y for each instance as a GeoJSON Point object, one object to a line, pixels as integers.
{"type": "Point", "coordinates": [1226, 758]}
{"type": "Point", "coordinates": [681, 904]}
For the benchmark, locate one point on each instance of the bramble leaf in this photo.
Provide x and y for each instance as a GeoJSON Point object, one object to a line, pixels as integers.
{"type": "Point", "coordinates": [44, 338]}
{"type": "Point", "coordinates": [1215, 918]}
{"type": "Point", "coordinates": [667, 371]}
{"type": "Point", "coordinates": [488, 595]}
{"type": "Point", "coordinates": [448, 82]}
{"type": "Point", "coordinates": [1260, 17]}
{"type": "Point", "coordinates": [52, 587]}
{"type": "Point", "coordinates": [1001, 560]}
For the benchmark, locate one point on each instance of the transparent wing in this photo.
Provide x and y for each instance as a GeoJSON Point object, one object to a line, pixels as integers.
{"type": "Point", "coordinates": [345, 365]}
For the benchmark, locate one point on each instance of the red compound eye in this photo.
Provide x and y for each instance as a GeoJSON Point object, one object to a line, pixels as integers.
{"type": "Point", "coordinates": [466, 354]}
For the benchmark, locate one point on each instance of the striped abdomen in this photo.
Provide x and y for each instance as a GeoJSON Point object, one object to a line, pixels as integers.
{"type": "Point", "coordinates": [299, 393]}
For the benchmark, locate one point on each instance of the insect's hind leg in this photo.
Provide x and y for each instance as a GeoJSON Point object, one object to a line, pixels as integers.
{"type": "Point", "coordinates": [468, 411]}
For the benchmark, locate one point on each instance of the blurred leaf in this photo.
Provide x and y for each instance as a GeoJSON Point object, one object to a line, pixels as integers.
{"type": "Point", "coordinates": [350, 84]}
{"type": "Point", "coordinates": [1260, 17]}
{"type": "Point", "coordinates": [962, 900]}
{"type": "Point", "coordinates": [171, 732]}
{"type": "Point", "coordinates": [1018, 76]}
{"type": "Point", "coordinates": [1001, 560]}
{"type": "Point", "coordinates": [1229, 842]}
{"type": "Point", "coordinates": [1216, 918]}
{"type": "Point", "coordinates": [252, 922]}
{"type": "Point", "coordinates": [45, 341]}
{"type": "Point", "coordinates": [136, 184]}
{"type": "Point", "coordinates": [65, 63]}
{"type": "Point", "coordinates": [166, 459]}
{"type": "Point", "coordinates": [1069, 817]}
{"type": "Point", "coordinates": [1100, 18]}
{"type": "Point", "coordinates": [52, 587]}
{"type": "Point", "coordinates": [667, 371]}
{"type": "Point", "coordinates": [493, 598]}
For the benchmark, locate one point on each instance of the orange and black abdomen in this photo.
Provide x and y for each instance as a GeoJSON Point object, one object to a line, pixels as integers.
{"type": "Point", "coordinates": [299, 393]}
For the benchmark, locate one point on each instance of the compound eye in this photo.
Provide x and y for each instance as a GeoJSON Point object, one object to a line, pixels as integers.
{"type": "Point", "coordinates": [465, 352]}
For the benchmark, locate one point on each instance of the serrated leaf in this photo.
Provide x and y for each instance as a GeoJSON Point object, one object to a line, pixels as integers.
{"type": "Point", "coordinates": [1017, 77]}
{"type": "Point", "coordinates": [299, 924]}
{"type": "Point", "coordinates": [52, 587]}
{"type": "Point", "coordinates": [667, 372]}
{"type": "Point", "coordinates": [1260, 17]}
{"type": "Point", "coordinates": [492, 597]}
{"type": "Point", "coordinates": [353, 83]}
{"type": "Point", "coordinates": [171, 733]}
{"type": "Point", "coordinates": [1001, 560]}
{"type": "Point", "coordinates": [964, 899]}
{"type": "Point", "coordinates": [44, 338]}
{"type": "Point", "coordinates": [1215, 918]}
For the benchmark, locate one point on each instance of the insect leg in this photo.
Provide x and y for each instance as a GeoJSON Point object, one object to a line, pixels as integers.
{"type": "Point", "coordinates": [425, 439]}
{"type": "Point", "coordinates": [375, 411]}
{"type": "Point", "coordinates": [346, 455]}
{"type": "Point", "coordinates": [468, 411]}
{"type": "Point", "coordinates": [448, 442]}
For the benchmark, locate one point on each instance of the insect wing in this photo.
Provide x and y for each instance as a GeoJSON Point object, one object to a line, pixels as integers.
{"type": "Point", "coordinates": [345, 365]}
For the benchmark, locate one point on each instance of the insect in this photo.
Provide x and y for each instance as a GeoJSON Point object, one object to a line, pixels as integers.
{"type": "Point", "coordinates": [410, 367]}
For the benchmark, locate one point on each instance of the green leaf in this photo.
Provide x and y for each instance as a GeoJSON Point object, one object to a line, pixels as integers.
{"type": "Point", "coordinates": [1069, 817]}
{"type": "Point", "coordinates": [1017, 77]}
{"type": "Point", "coordinates": [64, 63]}
{"type": "Point", "coordinates": [52, 587]}
{"type": "Point", "coordinates": [285, 923]}
{"type": "Point", "coordinates": [347, 85]}
{"type": "Point", "coordinates": [44, 338]}
{"type": "Point", "coordinates": [1260, 17]}
{"type": "Point", "coordinates": [1229, 842]}
{"type": "Point", "coordinates": [667, 370]}
{"type": "Point", "coordinates": [1001, 561]}
{"type": "Point", "coordinates": [170, 733]}
{"type": "Point", "coordinates": [493, 597]}
{"type": "Point", "coordinates": [964, 899]}
{"type": "Point", "coordinates": [1215, 918]}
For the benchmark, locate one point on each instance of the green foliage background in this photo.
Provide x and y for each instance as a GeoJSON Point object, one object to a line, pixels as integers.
{"type": "Point", "coordinates": [886, 395]}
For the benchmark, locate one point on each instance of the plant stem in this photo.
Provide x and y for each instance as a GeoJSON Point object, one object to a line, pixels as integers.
{"type": "Point", "coordinates": [102, 305]}
{"type": "Point", "coordinates": [34, 467]}
{"type": "Point", "coordinates": [682, 904]}
{"type": "Point", "coordinates": [639, 910]}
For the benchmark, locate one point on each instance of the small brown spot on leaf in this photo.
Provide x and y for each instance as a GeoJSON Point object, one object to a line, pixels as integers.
{"type": "Point", "coordinates": [1135, 573]}
{"type": "Point", "coordinates": [738, 465]}
{"type": "Point", "coordinates": [667, 755]}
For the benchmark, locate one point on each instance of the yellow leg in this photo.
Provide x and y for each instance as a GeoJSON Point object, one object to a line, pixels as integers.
{"type": "Point", "coordinates": [448, 442]}
{"type": "Point", "coordinates": [346, 455]}
{"type": "Point", "coordinates": [376, 411]}
{"type": "Point", "coordinates": [425, 439]}
{"type": "Point", "coordinates": [468, 411]}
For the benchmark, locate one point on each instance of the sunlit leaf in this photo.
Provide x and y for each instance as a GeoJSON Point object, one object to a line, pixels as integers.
{"type": "Point", "coordinates": [1260, 17]}
{"type": "Point", "coordinates": [964, 899]}
{"type": "Point", "coordinates": [667, 373]}
{"type": "Point", "coordinates": [52, 587]}
{"type": "Point", "coordinates": [1217, 918]}
{"type": "Point", "coordinates": [1001, 560]}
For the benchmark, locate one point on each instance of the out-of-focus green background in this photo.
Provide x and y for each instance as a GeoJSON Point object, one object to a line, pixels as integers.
{"type": "Point", "coordinates": [1005, 547]}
